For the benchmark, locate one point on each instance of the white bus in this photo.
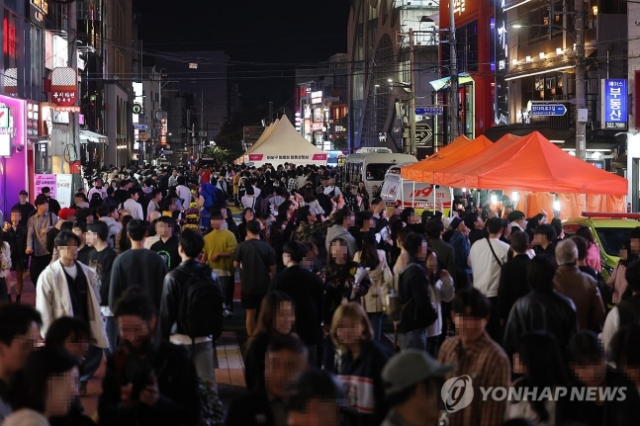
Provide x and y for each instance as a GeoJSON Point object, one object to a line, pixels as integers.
{"type": "Point", "coordinates": [408, 193]}
{"type": "Point", "coordinates": [371, 167]}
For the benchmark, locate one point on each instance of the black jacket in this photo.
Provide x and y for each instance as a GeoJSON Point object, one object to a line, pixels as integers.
{"type": "Point", "coordinates": [539, 311]}
{"type": "Point", "coordinates": [623, 412]}
{"type": "Point", "coordinates": [17, 240]}
{"type": "Point", "coordinates": [418, 312]}
{"type": "Point", "coordinates": [305, 288]}
{"type": "Point", "coordinates": [171, 309]}
{"type": "Point", "coordinates": [179, 402]}
{"type": "Point", "coordinates": [251, 409]}
{"type": "Point", "coordinates": [513, 284]}
{"type": "Point", "coordinates": [338, 286]}
{"type": "Point", "coordinates": [446, 254]}
{"type": "Point", "coordinates": [254, 361]}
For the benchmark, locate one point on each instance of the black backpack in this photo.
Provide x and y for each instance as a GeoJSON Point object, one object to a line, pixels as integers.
{"type": "Point", "coordinates": [201, 307]}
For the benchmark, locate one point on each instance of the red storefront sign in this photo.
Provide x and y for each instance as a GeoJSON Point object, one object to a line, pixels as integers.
{"type": "Point", "coordinates": [64, 86]}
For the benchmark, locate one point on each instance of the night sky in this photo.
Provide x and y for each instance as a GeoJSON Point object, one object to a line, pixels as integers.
{"type": "Point", "coordinates": [272, 35]}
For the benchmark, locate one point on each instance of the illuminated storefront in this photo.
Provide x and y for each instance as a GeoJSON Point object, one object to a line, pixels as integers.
{"type": "Point", "coordinates": [13, 150]}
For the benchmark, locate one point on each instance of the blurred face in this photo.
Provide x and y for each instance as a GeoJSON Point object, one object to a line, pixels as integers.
{"type": "Point", "coordinates": [349, 331]}
{"type": "Point", "coordinates": [471, 328]}
{"type": "Point", "coordinates": [422, 251]}
{"type": "Point", "coordinates": [285, 318]}
{"type": "Point", "coordinates": [69, 252]}
{"type": "Point", "coordinates": [61, 391]}
{"type": "Point", "coordinates": [163, 230]}
{"type": "Point", "coordinates": [281, 368]}
{"type": "Point", "coordinates": [339, 252]}
{"type": "Point", "coordinates": [91, 238]}
{"type": "Point", "coordinates": [14, 355]}
{"type": "Point", "coordinates": [248, 215]}
{"type": "Point", "coordinates": [349, 220]}
{"type": "Point", "coordinates": [43, 208]}
{"type": "Point", "coordinates": [311, 218]}
{"type": "Point", "coordinates": [479, 223]}
{"type": "Point", "coordinates": [374, 188]}
{"type": "Point", "coordinates": [432, 263]}
{"type": "Point", "coordinates": [217, 224]}
{"type": "Point", "coordinates": [23, 198]}
{"type": "Point", "coordinates": [591, 374]}
{"type": "Point", "coordinates": [16, 217]}
{"type": "Point", "coordinates": [134, 330]}
{"type": "Point", "coordinates": [76, 347]}
{"type": "Point", "coordinates": [413, 219]}
{"type": "Point", "coordinates": [635, 245]}
{"type": "Point", "coordinates": [624, 254]}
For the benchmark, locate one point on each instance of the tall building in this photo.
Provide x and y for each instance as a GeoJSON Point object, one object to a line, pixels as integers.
{"type": "Point", "coordinates": [384, 83]}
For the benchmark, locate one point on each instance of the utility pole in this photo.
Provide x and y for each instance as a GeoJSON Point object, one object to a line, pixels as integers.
{"type": "Point", "coordinates": [270, 113]}
{"type": "Point", "coordinates": [453, 98]}
{"type": "Point", "coordinates": [581, 95]}
{"type": "Point", "coordinates": [202, 131]}
{"type": "Point", "coordinates": [412, 101]}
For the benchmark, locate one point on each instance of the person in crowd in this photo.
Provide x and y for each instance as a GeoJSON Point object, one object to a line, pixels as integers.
{"type": "Point", "coordinates": [37, 228]}
{"type": "Point", "coordinates": [306, 290]}
{"type": "Point", "coordinates": [579, 287]}
{"type": "Point", "coordinates": [191, 308]}
{"type": "Point", "coordinates": [5, 267]}
{"type": "Point", "coordinates": [15, 234]}
{"type": "Point", "coordinates": [132, 205]}
{"type": "Point", "coordinates": [582, 244]}
{"type": "Point", "coordinates": [249, 199]}
{"type": "Point", "coordinates": [309, 227]}
{"type": "Point", "coordinates": [375, 261]}
{"type": "Point", "coordinates": [277, 318]}
{"type": "Point", "coordinates": [344, 281]}
{"type": "Point", "coordinates": [513, 276]}
{"type": "Point", "coordinates": [25, 208]}
{"type": "Point", "coordinates": [486, 259]}
{"type": "Point", "coordinates": [71, 335]}
{"type": "Point", "coordinates": [183, 192]}
{"type": "Point", "coordinates": [257, 262]}
{"type": "Point", "coordinates": [542, 309]}
{"type": "Point", "coordinates": [592, 258]}
{"type": "Point", "coordinates": [589, 369]}
{"type": "Point", "coordinates": [441, 292]}
{"type": "Point", "coordinates": [219, 246]}
{"type": "Point", "coordinates": [360, 364]}
{"type": "Point", "coordinates": [627, 311]}
{"type": "Point", "coordinates": [167, 245]}
{"type": "Point", "coordinates": [154, 202]}
{"type": "Point", "coordinates": [127, 270]}
{"type": "Point", "coordinates": [315, 398]}
{"type": "Point", "coordinates": [148, 380]}
{"type": "Point", "coordinates": [286, 359]}
{"type": "Point", "coordinates": [541, 362]}
{"type": "Point", "coordinates": [412, 381]}
{"type": "Point", "coordinates": [80, 201]}
{"type": "Point", "coordinates": [444, 251]}
{"type": "Point", "coordinates": [123, 242]}
{"type": "Point", "coordinates": [476, 227]}
{"type": "Point", "coordinates": [617, 280]}
{"type": "Point", "coordinates": [70, 288]}
{"type": "Point", "coordinates": [544, 240]}
{"type": "Point", "coordinates": [344, 219]}
{"type": "Point", "coordinates": [47, 388]}
{"type": "Point", "coordinates": [101, 259]}
{"type": "Point", "coordinates": [80, 229]}
{"type": "Point", "coordinates": [518, 220]}
{"type": "Point", "coordinates": [54, 205]}
{"type": "Point", "coordinates": [230, 222]}
{"type": "Point", "coordinates": [109, 215]}
{"type": "Point", "coordinates": [474, 353]}
{"type": "Point", "coordinates": [19, 335]}
{"type": "Point", "coordinates": [98, 188]}
{"type": "Point", "coordinates": [624, 352]}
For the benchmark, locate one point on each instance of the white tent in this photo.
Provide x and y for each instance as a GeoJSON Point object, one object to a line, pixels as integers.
{"type": "Point", "coordinates": [283, 144]}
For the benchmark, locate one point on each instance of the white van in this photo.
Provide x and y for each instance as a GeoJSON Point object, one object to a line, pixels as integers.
{"type": "Point", "coordinates": [370, 167]}
{"type": "Point", "coordinates": [414, 194]}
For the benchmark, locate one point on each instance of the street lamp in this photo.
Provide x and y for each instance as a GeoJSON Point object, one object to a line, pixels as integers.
{"type": "Point", "coordinates": [581, 90]}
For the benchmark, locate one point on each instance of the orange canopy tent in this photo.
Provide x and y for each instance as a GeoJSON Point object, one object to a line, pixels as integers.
{"type": "Point", "coordinates": [457, 151]}
{"type": "Point", "coordinates": [530, 163]}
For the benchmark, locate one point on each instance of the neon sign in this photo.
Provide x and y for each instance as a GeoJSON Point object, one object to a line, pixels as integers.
{"type": "Point", "coordinates": [9, 27]}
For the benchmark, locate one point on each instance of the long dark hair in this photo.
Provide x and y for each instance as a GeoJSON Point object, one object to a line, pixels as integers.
{"type": "Point", "coordinates": [343, 243]}
{"type": "Point", "coordinates": [125, 244]}
{"type": "Point", "coordinates": [266, 324]}
{"type": "Point", "coordinates": [243, 221]}
{"type": "Point", "coordinates": [369, 253]}
{"type": "Point", "coordinates": [540, 354]}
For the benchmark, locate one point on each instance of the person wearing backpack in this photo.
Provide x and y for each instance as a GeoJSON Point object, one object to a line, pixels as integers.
{"type": "Point", "coordinates": [627, 311]}
{"type": "Point", "coordinates": [191, 306]}
{"type": "Point", "coordinates": [418, 312]}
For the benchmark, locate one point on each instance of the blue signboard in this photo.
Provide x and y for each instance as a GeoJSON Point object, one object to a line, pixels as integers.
{"type": "Point", "coordinates": [552, 110]}
{"type": "Point", "coordinates": [429, 110]}
{"type": "Point", "coordinates": [614, 104]}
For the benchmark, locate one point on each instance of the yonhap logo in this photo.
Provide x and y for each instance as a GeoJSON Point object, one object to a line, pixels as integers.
{"type": "Point", "coordinates": [457, 393]}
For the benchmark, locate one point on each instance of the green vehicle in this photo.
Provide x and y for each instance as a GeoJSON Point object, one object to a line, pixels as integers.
{"type": "Point", "coordinates": [609, 233]}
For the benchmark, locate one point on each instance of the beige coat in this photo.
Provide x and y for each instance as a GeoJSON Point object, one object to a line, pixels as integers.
{"type": "Point", "coordinates": [381, 278]}
{"type": "Point", "coordinates": [53, 300]}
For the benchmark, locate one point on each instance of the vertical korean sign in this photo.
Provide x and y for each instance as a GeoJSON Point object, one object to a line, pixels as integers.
{"type": "Point", "coordinates": [614, 114]}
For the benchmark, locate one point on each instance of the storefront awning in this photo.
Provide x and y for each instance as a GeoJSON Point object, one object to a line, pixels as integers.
{"type": "Point", "coordinates": [445, 83]}
{"type": "Point", "coordinates": [87, 136]}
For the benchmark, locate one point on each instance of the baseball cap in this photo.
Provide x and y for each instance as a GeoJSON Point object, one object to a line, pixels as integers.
{"type": "Point", "coordinates": [23, 192]}
{"type": "Point", "coordinates": [314, 384]}
{"type": "Point", "coordinates": [455, 222]}
{"type": "Point", "coordinates": [409, 368]}
{"type": "Point", "coordinates": [66, 213]}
